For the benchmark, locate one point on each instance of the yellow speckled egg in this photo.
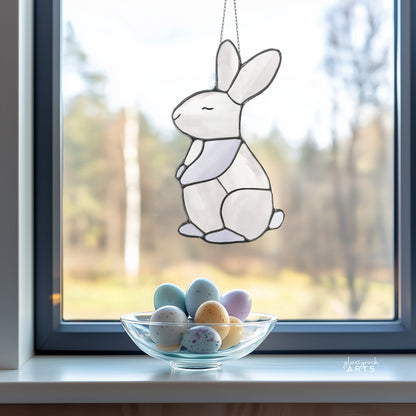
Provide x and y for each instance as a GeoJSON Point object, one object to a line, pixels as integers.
{"type": "Point", "coordinates": [169, 349]}
{"type": "Point", "coordinates": [212, 312]}
{"type": "Point", "coordinates": [234, 336]}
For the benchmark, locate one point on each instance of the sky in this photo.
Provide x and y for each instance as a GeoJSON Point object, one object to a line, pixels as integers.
{"type": "Point", "coordinates": [155, 53]}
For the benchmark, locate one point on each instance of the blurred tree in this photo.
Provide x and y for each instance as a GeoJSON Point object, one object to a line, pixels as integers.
{"type": "Point", "coordinates": [85, 171]}
{"type": "Point", "coordinates": [133, 195]}
{"type": "Point", "coordinates": [356, 62]}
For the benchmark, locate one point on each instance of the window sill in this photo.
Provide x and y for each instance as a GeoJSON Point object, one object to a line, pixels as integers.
{"type": "Point", "coordinates": [257, 378]}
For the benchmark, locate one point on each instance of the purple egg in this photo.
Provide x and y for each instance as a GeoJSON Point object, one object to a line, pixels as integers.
{"type": "Point", "coordinates": [201, 340]}
{"type": "Point", "coordinates": [238, 303]}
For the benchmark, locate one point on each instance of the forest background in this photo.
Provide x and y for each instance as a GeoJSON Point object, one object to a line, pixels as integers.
{"type": "Point", "coordinates": [333, 258]}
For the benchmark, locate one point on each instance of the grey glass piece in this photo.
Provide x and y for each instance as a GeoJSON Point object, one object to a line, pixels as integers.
{"type": "Point", "coordinates": [255, 75]}
{"type": "Point", "coordinates": [194, 151]}
{"type": "Point", "coordinates": [208, 115]}
{"type": "Point", "coordinates": [228, 64]}
{"type": "Point", "coordinates": [245, 172]}
{"type": "Point", "coordinates": [277, 219]}
{"type": "Point", "coordinates": [203, 205]}
{"type": "Point", "coordinates": [180, 171]}
{"type": "Point", "coordinates": [226, 192]}
{"type": "Point", "coordinates": [248, 211]}
{"type": "Point", "coordinates": [190, 230]}
{"type": "Point", "coordinates": [224, 236]}
{"type": "Point", "coordinates": [216, 157]}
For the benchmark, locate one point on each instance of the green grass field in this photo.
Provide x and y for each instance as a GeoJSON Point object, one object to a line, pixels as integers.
{"type": "Point", "coordinates": [290, 295]}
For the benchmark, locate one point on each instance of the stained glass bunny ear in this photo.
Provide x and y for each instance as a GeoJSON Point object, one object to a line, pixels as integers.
{"type": "Point", "coordinates": [228, 65]}
{"type": "Point", "coordinates": [255, 75]}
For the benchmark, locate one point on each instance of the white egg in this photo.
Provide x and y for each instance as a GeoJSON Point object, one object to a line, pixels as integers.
{"type": "Point", "coordinates": [171, 334]}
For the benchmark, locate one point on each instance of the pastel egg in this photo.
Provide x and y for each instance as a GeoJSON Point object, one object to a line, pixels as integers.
{"type": "Point", "coordinates": [234, 335]}
{"type": "Point", "coordinates": [238, 303]}
{"type": "Point", "coordinates": [201, 340]}
{"type": "Point", "coordinates": [212, 312]}
{"type": "Point", "coordinates": [200, 291]}
{"type": "Point", "coordinates": [169, 294]}
{"type": "Point", "coordinates": [168, 335]}
{"type": "Point", "coordinates": [173, 348]}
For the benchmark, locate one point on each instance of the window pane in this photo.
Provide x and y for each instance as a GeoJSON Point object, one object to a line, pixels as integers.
{"type": "Point", "coordinates": [323, 131]}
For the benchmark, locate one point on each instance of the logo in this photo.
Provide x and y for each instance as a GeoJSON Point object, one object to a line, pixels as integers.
{"type": "Point", "coordinates": [361, 366]}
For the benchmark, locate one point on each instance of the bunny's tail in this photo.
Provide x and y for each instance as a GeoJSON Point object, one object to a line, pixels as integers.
{"type": "Point", "coordinates": [277, 219]}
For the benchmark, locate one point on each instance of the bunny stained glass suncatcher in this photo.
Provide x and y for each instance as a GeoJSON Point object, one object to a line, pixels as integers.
{"type": "Point", "coordinates": [226, 192]}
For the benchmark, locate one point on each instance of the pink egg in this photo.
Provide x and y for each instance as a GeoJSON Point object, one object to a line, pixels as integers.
{"type": "Point", "coordinates": [238, 303]}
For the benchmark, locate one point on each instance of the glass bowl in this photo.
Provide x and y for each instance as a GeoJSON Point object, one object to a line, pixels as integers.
{"type": "Point", "coordinates": [255, 329]}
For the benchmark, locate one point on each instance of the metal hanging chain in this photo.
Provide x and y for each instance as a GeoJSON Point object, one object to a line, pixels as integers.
{"type": "Point", "coordinates": [236, 23]}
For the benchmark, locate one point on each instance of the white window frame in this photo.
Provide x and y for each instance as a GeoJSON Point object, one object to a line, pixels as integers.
{"type": "Point", "coordinates": [16, 183]}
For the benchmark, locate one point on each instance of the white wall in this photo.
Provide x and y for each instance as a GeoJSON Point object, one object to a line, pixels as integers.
{"type": "Point", "coordinates": [16, 258]}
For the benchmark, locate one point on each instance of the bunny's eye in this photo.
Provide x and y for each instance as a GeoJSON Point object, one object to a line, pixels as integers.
{"type": "Point", "coordinates": [207, 108]}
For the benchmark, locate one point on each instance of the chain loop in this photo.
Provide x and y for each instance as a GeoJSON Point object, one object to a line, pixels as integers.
{"type": "Point", "coordinates": [236, 23]}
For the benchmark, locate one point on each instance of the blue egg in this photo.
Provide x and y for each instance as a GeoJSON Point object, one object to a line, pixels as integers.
{"type": "Point", "coordinates": [199, 291]}
{"type": "Point", "coordinates": [201, 340]}
{"type": "Point", "coordinates": [169, 294]}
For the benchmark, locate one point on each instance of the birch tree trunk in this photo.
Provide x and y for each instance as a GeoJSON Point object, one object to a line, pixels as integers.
{"type": "Point", "coordinates": [132, 178]}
